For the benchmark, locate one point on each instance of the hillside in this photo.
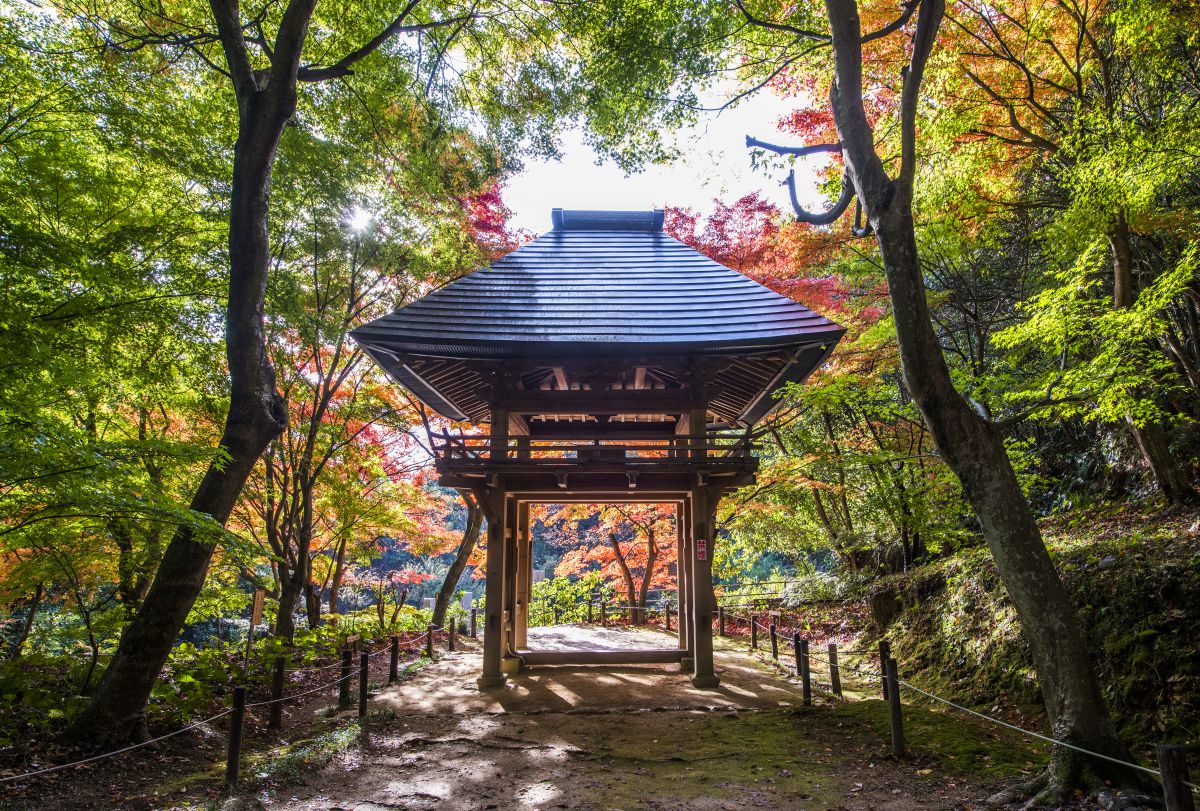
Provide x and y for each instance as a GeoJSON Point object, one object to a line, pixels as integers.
{"type": "Point", "coordinates": [1134, 574]}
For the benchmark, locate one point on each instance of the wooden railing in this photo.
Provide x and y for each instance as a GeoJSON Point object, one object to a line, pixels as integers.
{"type": "Point", "coordinates": [682, 449]}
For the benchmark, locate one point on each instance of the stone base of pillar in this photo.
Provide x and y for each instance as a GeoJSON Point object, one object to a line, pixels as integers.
{"type": "Point", "coordinates": [706, 682]}
{"type": "Point", "coordinates": [510, 665]}
{"type": "Point", "coordinates": [490, 682]}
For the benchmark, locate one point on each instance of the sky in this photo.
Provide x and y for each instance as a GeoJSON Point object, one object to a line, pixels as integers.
{"type": "Point", "coordinates": [716, 163]}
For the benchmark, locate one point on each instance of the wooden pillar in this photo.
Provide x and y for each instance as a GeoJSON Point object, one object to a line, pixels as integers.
{"type": "Point", "coordinates": [493, 502]}
{"type": "Point", "coordinates": [697, 427]}
{"type": "Point", "coordinates": [524, 573]}
{"type": "Point", "coordinates": [683, 576]}
{"type": "Point", "coordinates": [508, 663]}
{"type": "Point", "coordinates": [499, 434]}
{"type": "Point", "coordinates": [703, 502]}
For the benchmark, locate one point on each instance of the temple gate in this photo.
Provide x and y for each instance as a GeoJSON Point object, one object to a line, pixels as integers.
{"type": "Point", "coordinates": [611, 363]}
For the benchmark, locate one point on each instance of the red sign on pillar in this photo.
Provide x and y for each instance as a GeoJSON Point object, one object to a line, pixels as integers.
{"type": "Point", "coordinates": [701, 549]}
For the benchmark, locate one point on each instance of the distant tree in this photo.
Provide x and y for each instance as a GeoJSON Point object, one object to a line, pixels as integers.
{"type": "Point", "coordinates": [632, 546]}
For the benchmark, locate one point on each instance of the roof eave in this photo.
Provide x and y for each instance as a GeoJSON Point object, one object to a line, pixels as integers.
{"type": "Point", "coordinates": [516, 350]}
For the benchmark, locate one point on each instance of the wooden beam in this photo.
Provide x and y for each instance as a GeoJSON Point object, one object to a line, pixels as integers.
{"type": "Point", "coordinates": [607, 401]}
{"type": "Point", "coordinates": [588, 485]}
{"type": "Point", "coordinates": [639, 378]}
{"type": "Point", "coordinates": [560, 377]}
{"type": "Point", "coordinates": [607, 430]}
{"type": "Point", "coordinates": [648, 656]}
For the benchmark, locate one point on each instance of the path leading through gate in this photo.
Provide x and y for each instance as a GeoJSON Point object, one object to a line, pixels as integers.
{"type": "Point", "coordinates": [618, 737]}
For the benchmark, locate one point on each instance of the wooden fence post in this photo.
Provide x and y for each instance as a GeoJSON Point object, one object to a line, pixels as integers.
{"type": "Point", "coordinates": [894, 706]}
{"type": "Point", "coordinates": [589, 612]}
{"type": "Point", "coordinates": [753, 632]}
{"type": "Point", "coordinates": [603, 614]}
{"type": "Point", "coordinates": [805, 672]}
{"type": "Point", "coordinates": [1172, 762]}
{"type": "Point", "coordinates": [474, 623]}
{"type": "Point", "coordinates": [430, 633]}
{"type": "Point", "coordinates": [557, 615]}
{"type": "Point", "coordinates": [451, 636]}
{"type": "Point", "coordinates": [885, 653]}
{"type": "Point", "coordinates": [234, 757]}
{"type": "Point", "coordinates": [720, 620]}
{"type": "Point", "coordinates": [394, 664]}
{"type": "Point", "coordinates": [774, 643]}
{"type": "Point", "coordinates": [668, 616]}
{"type": "Point", "coordinates": [363, 665]}
{"type": "Point", "coordinates": [275, 714]}
{"type": "Point", "coordinates": [344, 682]}
{"type": "Point", "coordinates": [835, 674]}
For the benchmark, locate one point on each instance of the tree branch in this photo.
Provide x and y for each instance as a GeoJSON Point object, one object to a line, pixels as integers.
{"type": "Point", "coordinates": [752, 142]}
{"type": "Point", "coordinates": [928, 22]}
{"type": "Point", "coordinates": [895, 25]}
{"type": "Point", "coordinates": [345, 65]}
{"type": "Point", "coordinates": [824, 217]}
{"type": "Point", "coordinates": [229, 30]}
{"type": "Point", "coordinates": [801, 33]}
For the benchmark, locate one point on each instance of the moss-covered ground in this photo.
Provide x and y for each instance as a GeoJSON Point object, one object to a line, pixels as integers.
{"type": "Point", "coordinates": [1134, 576]}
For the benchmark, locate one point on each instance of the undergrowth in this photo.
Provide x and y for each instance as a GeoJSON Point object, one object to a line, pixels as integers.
{"type": "Point", "coordinates": [1135, 580]}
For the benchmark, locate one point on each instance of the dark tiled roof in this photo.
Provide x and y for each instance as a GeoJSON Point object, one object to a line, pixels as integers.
{"type": "Point", "coordinates": [607, 282]}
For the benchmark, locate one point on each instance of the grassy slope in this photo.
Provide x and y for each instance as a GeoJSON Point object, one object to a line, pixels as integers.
{"type": "Point", "coordinates": [1135, 578]}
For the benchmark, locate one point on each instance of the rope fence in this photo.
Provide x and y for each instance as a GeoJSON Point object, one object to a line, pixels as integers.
{"type": "Point", "coordinates": [1172, 771]}
{"type": "Point", "coordinates": [276, 701]}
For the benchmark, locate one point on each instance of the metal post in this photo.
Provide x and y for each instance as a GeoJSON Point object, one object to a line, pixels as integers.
{"type": "Point", "coordinates": [275, 714]}
{"type": "Point", "coordinates": [394, 664]}
{"type": "Point", "coordinates": [885, 653]}
{"type": "Point", "coordinates": [753, 632]}
{"type": "Point", "coordinates": [430, 633]}
{"type": "Point", "coordinates": [363, 664]}
{"type": "Point", "coordinates": [805, 672]}
{"type": "Point", "coordinates": [894, 706]}
{"type": "Point", "coordinates": [234, 759]}
{"type": "Point", "coordinates": [720, 620]}
{"type": "Point", "coordinates": [835, 675]}
{"type": "Point", "coordinates": [1172, 762]}
{"type": "Point", "coordinates": [344, 682]}
{"type": "Point", "coordinates": [451, 634]}
{"type": "Point", "coordinates": [774, 643]}
{"type": "Point", "coordinates": [474, 623]}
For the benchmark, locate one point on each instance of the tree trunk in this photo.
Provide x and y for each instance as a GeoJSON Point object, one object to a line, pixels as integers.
{"type": "Point", "coordinates": [971, 445]}
{"type": "Point", "coordinates": [339, 574]}
{"type": "Point", "coordinates": [290, 590]}
{"type": "Point", "coordinates": [644, 591]}
{"type": "Point", "coordinates": [1151, 439]}
{"type": "Point", "coordinates": [626, 575]}
{"type": "Point", "coordinates": [35, 602]}
{"type": "Point", "coordinates": [1168, 474]}
{"type": "Point", "coordinates": [465, 548]}
{"type": "Point", "coordinates": [257, 414]}
{"type": "Point", "coordinates": [312, 601]}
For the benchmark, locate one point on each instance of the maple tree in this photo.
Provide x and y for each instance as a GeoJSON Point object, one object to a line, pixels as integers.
{"type": "Point", "coordinates": [631, 546]}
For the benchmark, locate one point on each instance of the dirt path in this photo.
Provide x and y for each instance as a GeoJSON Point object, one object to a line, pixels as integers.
{"type": "Point", "coordinates": [626, 737]}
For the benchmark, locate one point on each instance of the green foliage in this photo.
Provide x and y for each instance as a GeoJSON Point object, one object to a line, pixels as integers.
{"type": "Point", "coordinates": [1110, 359]}
{"type": "Point", "coordinates": [569, 595]}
